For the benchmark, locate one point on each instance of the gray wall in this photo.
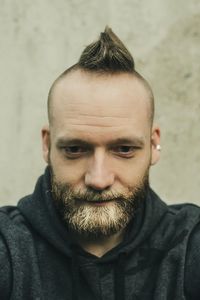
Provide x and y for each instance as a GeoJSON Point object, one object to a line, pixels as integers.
{"type": "Point", "coordinates": [39, 39]}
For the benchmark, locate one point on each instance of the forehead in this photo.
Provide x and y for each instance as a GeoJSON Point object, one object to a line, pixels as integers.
{"type": "Point", "coordinates": [83, 102]}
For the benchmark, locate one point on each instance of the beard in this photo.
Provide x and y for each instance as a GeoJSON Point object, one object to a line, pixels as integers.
{"type": "Point", "coordinates": [82, 217]}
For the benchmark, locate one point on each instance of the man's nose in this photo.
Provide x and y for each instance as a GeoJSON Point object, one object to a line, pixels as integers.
{"type": "Point", "coordinates": [99, 175]}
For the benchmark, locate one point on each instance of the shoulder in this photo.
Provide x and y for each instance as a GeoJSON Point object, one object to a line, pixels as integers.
{"type": "Point", "coordinates": [177, 222]}
{"type": "Point", "coordinates": [187, 207]}
{"type": "Point", "coordinates": [15, 239]}
{"type": "Point", "coordinates": [192, 267]}
{"type": "Point", "coordinates": [184, 208]}
{"type": "Point", "coordinates": [7, 214]}
{"type": "Point", "coordinates": [5, 270]}
{"type": "Point", "coordinates": [188, 217]}
{"type": "Point", "coordinates": [184, 213]}
{"type": "Point", "coordinates": [179, 231]}
{"type": "Point", "coordinates": [184, 216]}
{"type": "Point", "coordinates": [13, 226]}
{"type": "Point", "coordinates": [10, 220]}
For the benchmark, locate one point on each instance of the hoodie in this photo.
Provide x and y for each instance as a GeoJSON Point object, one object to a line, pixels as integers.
{"type": "Point", "coordinates": [158, 259]}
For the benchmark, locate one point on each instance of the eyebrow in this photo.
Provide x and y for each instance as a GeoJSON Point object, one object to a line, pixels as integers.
{"type": "Point", "coordinates": [138, 141]}
{"type": "Point", "coordinates": [61, 142]}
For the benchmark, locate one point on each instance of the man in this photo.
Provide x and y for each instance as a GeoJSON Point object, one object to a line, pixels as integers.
{"type": "Point", "coordinates": [93, 228]}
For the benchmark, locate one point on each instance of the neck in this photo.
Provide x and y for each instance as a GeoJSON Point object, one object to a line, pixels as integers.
{"type": "Point", "coordinates": [99, 247]}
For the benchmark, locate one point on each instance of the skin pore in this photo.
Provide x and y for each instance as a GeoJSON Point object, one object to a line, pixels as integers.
{"type": "Point", "coordinates": [100, 138]}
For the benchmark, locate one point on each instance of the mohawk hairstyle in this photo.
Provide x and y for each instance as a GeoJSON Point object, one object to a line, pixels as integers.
{"type": "Point", "coordinates": [107, 54]}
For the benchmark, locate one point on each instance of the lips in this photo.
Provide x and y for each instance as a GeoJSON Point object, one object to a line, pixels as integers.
{"type": "Point", "coordinates": [99, 203]}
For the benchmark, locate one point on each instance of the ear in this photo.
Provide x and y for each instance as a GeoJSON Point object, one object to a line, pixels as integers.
{"type": "Point", "coordinates": [45, 143]}
{"type": "Point", "coordinates": [155, 145]}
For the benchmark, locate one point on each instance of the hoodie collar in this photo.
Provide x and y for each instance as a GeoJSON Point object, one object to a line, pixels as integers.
{"type": "Point", "coordinates": [38, 209]}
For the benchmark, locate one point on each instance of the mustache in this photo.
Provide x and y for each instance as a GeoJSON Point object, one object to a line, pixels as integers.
{"type": "Point", "coordinates": [95, 196]}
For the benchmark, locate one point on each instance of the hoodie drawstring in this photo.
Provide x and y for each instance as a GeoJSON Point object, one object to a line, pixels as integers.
{"type": "Point", "coordinates": [119, 278]}
{"type": "Point", "coordinates": [75, 277]}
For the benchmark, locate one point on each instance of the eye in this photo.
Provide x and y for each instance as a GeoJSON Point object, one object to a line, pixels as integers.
{"type": "Point", "coordinates": [74, 151]}
{"type": "Point", "coordinates": [126, 151]}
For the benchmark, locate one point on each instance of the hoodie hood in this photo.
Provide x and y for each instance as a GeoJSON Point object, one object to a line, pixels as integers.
{"type": "Point", "coordinates": [39, 210]}
{"type": "Point", "coordinates": [160, 249]}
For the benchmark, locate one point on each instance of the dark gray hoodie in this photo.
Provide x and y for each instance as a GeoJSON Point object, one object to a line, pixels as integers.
{"type": "Point", "coordinates": [159, 258]}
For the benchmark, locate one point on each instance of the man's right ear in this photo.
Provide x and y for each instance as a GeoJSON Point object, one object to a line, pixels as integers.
{"type": "Point", "coordinates": [45, 143]}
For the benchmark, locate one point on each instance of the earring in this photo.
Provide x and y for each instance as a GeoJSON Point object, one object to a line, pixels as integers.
{"type": "Point", "coordinates": [158, 147]}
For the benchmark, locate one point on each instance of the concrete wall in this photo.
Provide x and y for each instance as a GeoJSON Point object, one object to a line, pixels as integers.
{"type": "Point", "coordinates": [39, 39]}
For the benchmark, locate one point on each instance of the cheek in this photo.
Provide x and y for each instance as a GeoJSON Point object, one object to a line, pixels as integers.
{"type": "Point", "coordinates": [66, 171]}
{"type": "Point", "coordinates": [133, 171]}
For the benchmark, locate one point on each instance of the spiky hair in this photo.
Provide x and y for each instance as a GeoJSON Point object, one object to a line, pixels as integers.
{"type": "Point", "coordinates": [107, 54]}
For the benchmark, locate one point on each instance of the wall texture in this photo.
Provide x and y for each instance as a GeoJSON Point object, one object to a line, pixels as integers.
{"type": "Point", "coordinates": [39, 39]}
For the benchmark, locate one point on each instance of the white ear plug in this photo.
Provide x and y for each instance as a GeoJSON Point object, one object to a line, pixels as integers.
{"type": "Point", "coordinates": [158, 147]}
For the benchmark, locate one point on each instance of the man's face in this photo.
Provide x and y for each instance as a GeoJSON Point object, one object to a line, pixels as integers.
{"type": "Point", "coordinates": [99, 147]}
